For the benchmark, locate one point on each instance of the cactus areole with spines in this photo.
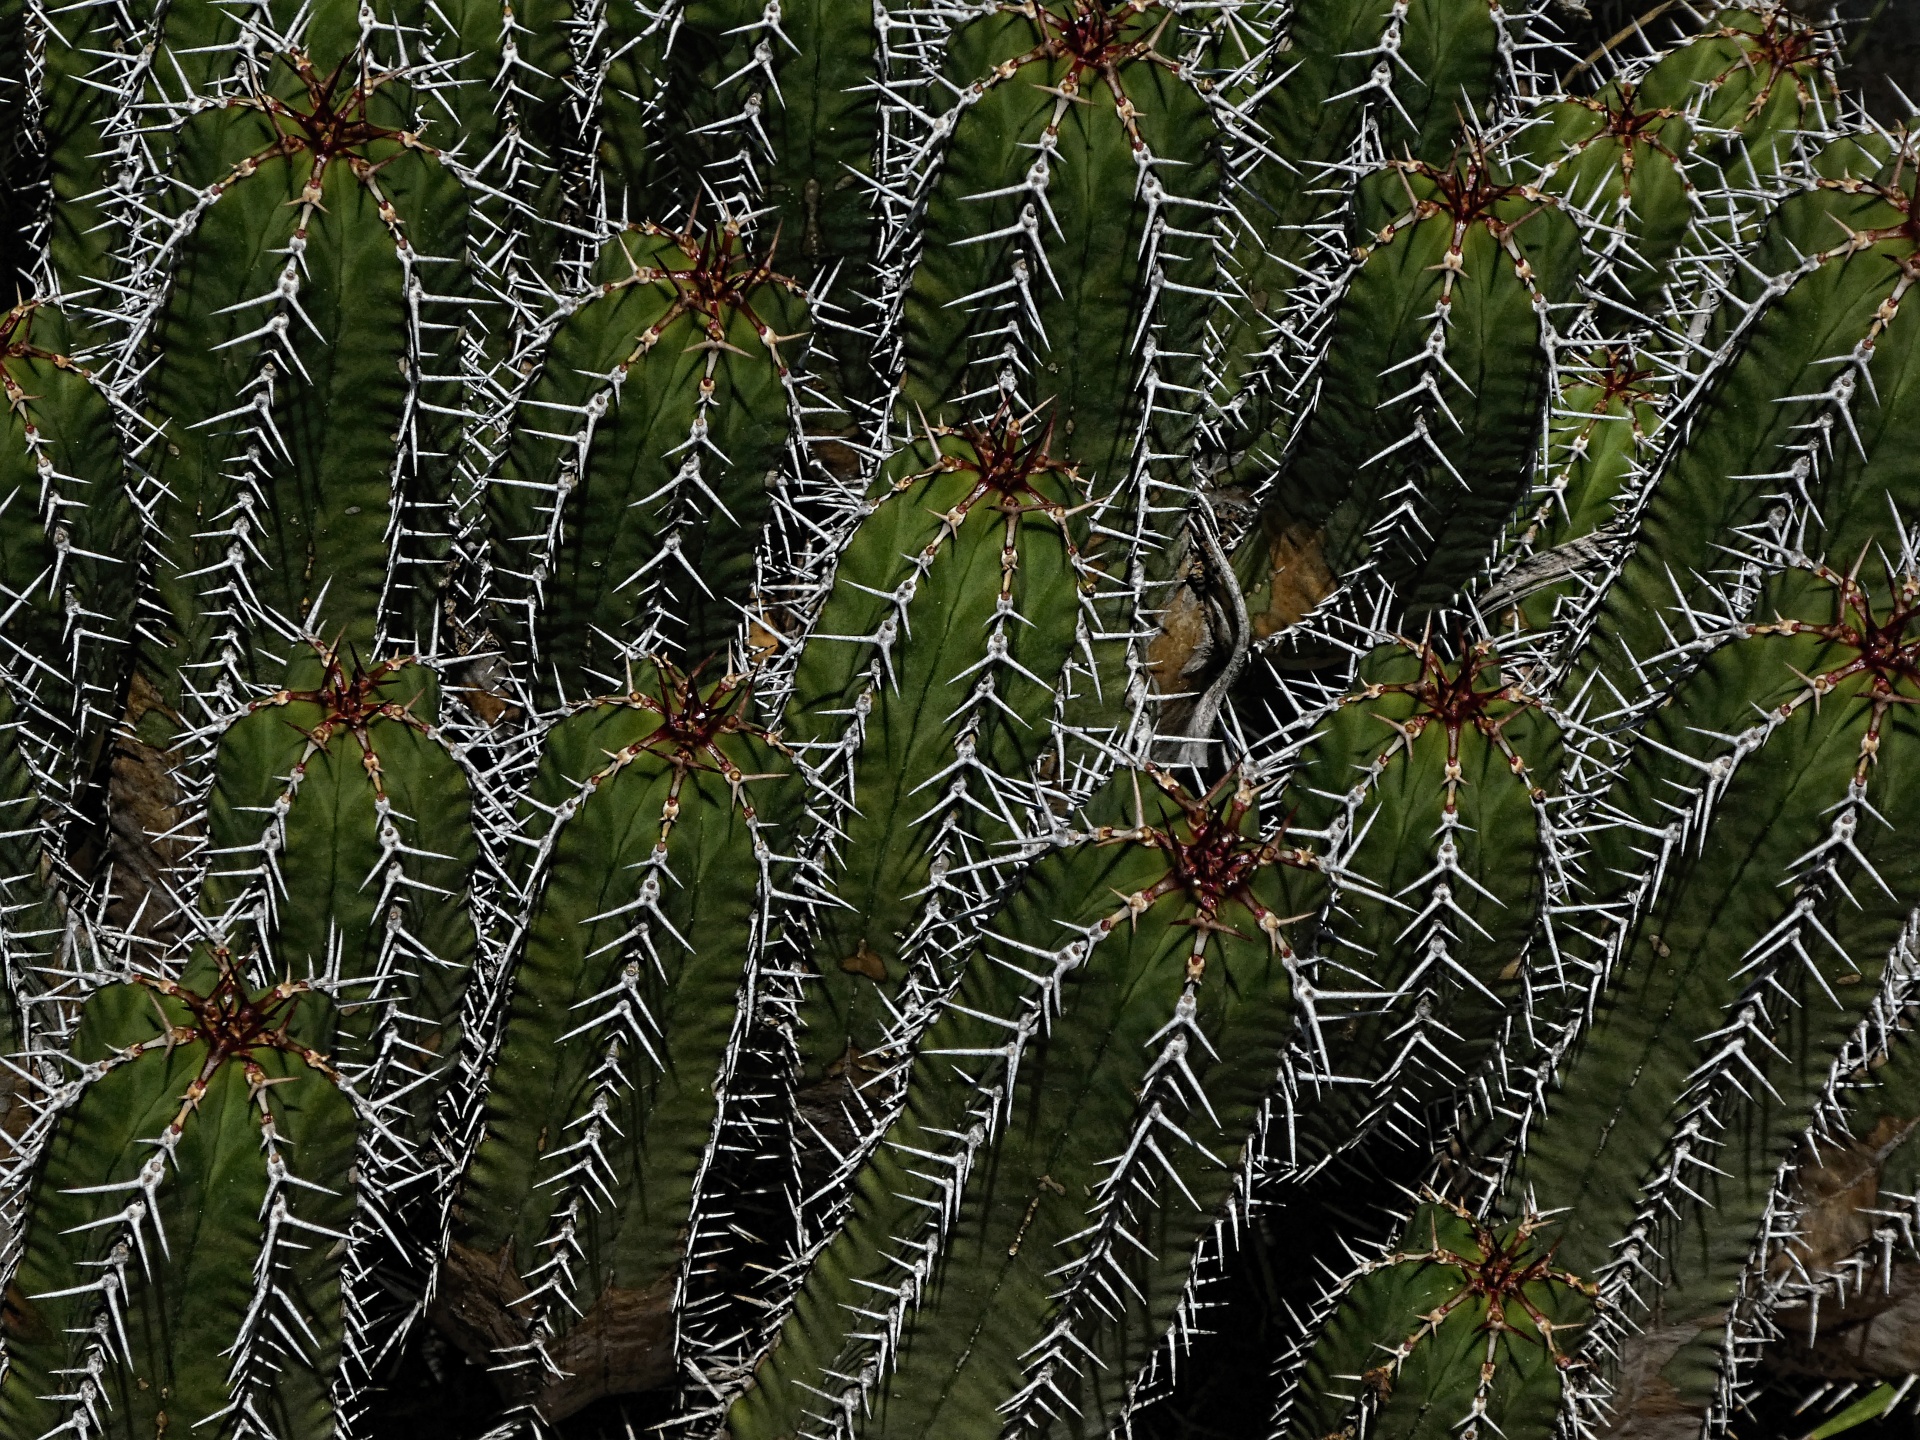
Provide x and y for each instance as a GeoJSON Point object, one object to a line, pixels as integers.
{"type": "Point", "coordinates": [1000, 719]}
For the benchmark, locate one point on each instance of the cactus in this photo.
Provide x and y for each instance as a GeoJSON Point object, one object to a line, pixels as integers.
{"type": "Point", "coordinates": [318, 872]}
{"type": "Point", "coordinates": [1441, 844]}
{"type": "Point", "coordinates": [1349, 78]}
{"type": "Point", "coordinates": [1423, 381]}
{"type": "Point", "coordinates": [68, 530]}
{"type": "Point", "coordinates": [928, 681]}
{"type": "Point", "coordinates": [1076, 1116]}
{"type": "Point", "coordinates": [762, 717]}
{"type": "Point", "coordinates": [650, 870]}
{"type": "Point", "coordinates": [180, 1256]}
{"type": "Point", "coordinates": [355, 290]}
{"type": "Point", "coordinates": [656, 433]}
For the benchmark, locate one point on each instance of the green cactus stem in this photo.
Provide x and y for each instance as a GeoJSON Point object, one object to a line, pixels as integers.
{"type": "Point", "coordinates": [181, 1265]}
{"type": "Point", "coordinates": [1489, 1308]}
{"type": "Point", "coordinates": [650, 871]}
{"type": "Point", "coordinates": [658, 442]}
{"type": "Point", "coordinates": [1805, 300]}
{"type": "Point", "coordinates": [1346, 74]}
{"type": "Point", "coordinates": [1442, 847]}
{"type": "Point", "coordinates": [1435, 370]}
{"type": "Point", "coordinates": [779, 103]}
{"type": "Point", "coordinates": [348, 301]}
{"type": "Point", "coordinates": [926, 694]}
{"type": "Point", "coordinates": [67, 542]}
{"type": "Point", "coordinates": [1079, 1109]}
{"type": "Point", "coordinates": [1075, 164]}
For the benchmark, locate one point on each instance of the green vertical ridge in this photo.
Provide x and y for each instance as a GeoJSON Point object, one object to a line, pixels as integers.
{"type": "Point", "coordinates": [649, 822]}
{"type": "Point", "coordinates": [68, 545]}
{"type": "Point", "coordinates": [340, 847]}
{"type": "Point", "coordinates": [305, 377]}
{"type": "Point", "coordinates": [780, 105]}
{"type": "Point", "coordinates": [653, 447]}
{"type": "Point", "coordinates": [1022, 1236]}
{"type": "Point", "coordinates": [989, 276]}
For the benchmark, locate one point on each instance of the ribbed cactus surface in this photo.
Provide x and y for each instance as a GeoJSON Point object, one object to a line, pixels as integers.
{"type": "Point", "coordinates": [1037, 718]}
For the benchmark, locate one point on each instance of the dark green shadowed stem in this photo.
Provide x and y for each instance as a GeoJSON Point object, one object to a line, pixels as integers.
{"type": "Point", "coordinates": [652, 454]}
{"type": "Point", "coordinates": [182, 1265]}
{"type": "Point", "coordinates": [650, 820]}
{"type": "Point", "coordinates": [68, 550]}
{"type": "Point", "coordinates": [777, 108]}
{"type": "Point", "coordinates": [1022, 1236]}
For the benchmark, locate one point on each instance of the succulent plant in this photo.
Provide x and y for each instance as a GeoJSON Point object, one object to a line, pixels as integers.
{"type": "Point", "coordinates": [823, 719]}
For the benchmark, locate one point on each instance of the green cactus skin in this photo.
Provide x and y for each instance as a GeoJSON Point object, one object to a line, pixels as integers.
{"type": "Point", "coordinates": [1752, 81]}
{"type": "Point", "coordinates": [1601, 436]}
{"type": "Point", "coordinates": [343, 942]}
{"type": "Point", "coordinates": [1718, 987]}
{"type": "Point", "coordinates": [1400, 69]}
{"type": "Point", "coordinates": [1436, 368]}
{"type": "Point", "coordinates": [650, 870]}
{"type": "Point", "coordinates": [516, 103]}
{"type": "Point", "coordinates": [970, 714]}
{"type": "Point", "coordinates": [1756, 87]}
{"type": "Point", "coordinates": [341, 854]}
{"type": "Point", "coordinates": [71, 113]}
{"type": "Point", "coordinates": [1752, 987]}
{"type": "Point", "coordinates": [781, 104]}
{"type": "Point", "coordinates": [1039, 214]}
{"type": "Point", "coordinates": [651, 456]}
{"type": "Point", "coordinates": [317, 265]}
{"type": "Point", "coordinates": [1459, 1320]}
{"type": "Point", "coordinates": [1672, 167]}
{"type": "Point", "coordinates": [1745, 442]}
{"type": "Point", "coordinates": [926, 689]}
{"type": "Point", "coordinates": [1442, 847]}
{"type": "Point", "coordinates": [37, 937]}
{"type": "Point", "coordinates": [1109, 1066]}
{"type": "Point", "coordinates": [181, 1265]}
{"type": "Point", "coordinates": [626, 138]}
{"type": "Point", "coordinates": [1721, 983]}
{"type": "Point", "coordinates": [1664, 226]}
{"type": "Point", "coordinates": [67, 581]}
{"type": "Point", "coordinates": [1621, 165]}
{"type": "Point", "coordinates": [67, 540]}
{"type": "Point", "coordinates": [346, 363]}
{"type": "Point", "coordinates": [340, 845]}
{"type": "Point", "coordinates": [20, 150]}
{"type": "Point", "coordinates": [1744, 904]}
{"type": "Point", "coordinates": [105, 155]}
